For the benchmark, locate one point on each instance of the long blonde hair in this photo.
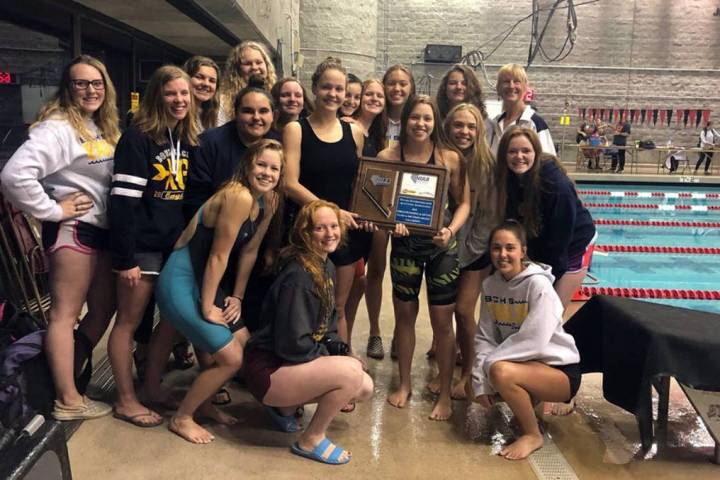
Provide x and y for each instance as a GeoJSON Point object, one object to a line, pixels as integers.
{"type": "Point", "coordinates": [480, 163]}
{"type": "Point", "coordinates": [152, 117]}
{"type": "Point", "coordinates": [62, 105]}
{"type": "Point", "coordinates": [233, 81]}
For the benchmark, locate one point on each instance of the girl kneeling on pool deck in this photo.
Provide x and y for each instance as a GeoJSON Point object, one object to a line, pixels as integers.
{"type": "Point", "coordinates": [297, 357]}
{"type": "Point", "coordinates": [522, 353]}
{"type": "Point", "coordinates": [201, 287]}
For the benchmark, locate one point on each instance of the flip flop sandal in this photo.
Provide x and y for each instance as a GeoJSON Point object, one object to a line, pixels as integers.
{"type": "Point", "coordinates": [135, 419]}
{"type": "Point", "coordinates": [284, 423]}
{"type": "Point", "coordinates": [317, 453]}
{"type": "Point", "coordinates": [348, 408]}
{"type": "Point", "coordinates": [222, 397]}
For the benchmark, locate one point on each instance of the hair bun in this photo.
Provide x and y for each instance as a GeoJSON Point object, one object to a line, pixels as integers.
{"type": "Point", "coordinates": [335, 60]}
{"type": "Point", "coordinates": [256, 81]}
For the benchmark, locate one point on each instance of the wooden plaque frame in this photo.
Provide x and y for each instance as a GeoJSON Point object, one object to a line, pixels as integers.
{"type": "Point", "coordinates": [388, 192]}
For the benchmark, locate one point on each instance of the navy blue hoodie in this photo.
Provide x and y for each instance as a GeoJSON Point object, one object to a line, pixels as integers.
{"type": "Point", "coordinates": [566, 227]}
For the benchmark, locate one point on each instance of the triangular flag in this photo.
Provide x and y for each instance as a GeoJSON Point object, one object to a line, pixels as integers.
{"type": "Point", "coordinates": [669, 116]}
{"type": "Point", "coordinates": [686, 114]}
{"type": "Point", "coordinates": [642, 115]}
{"type": "Point", "coordinates": [678, 116]}
{"type": "Point", "coordinates": [693, 116]}
{"type": "Point", "coordinates": [655, 116]}
{"type": "Point", "coordinates": [698, 116]}
{"type": "Point", "coordinates": [633, 114]}
{"type": "Point", "coordinates": [663, 114]}
{"type": "Point", "coordinates": [706, 116]}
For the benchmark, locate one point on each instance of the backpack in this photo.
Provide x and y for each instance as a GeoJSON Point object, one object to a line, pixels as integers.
{"type": "Point", "coordinates": [26, 384]}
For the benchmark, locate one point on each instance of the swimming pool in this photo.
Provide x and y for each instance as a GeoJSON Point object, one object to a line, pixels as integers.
{"type": "Point", "coordinates": [685, 218]}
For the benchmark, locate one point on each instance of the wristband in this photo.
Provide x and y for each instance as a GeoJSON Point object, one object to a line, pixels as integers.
{"type": "Point", "coordinates": [238, 297]}
{"type": "Point", "coordinates": [451, 232]}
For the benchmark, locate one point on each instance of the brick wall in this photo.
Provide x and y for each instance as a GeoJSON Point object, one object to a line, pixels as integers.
{"type": "Point", "coordinates": [338, 28]}
{"type": "Point", "coordinates": [632, 54]}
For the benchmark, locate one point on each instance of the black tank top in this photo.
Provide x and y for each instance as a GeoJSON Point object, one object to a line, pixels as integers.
{"type": "Point", "coordinates": [328, 169]}
{"type": "Point", "coordinates": [431, 160]}
{"type": "Point", "coordinates": [202, 241]}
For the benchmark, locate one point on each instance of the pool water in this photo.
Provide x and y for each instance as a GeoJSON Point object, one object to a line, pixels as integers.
{"type": "Point", "coordinates": [655, 270]}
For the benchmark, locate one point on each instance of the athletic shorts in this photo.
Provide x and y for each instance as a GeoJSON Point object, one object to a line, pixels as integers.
{"type": "Point", "coordinates": [583, 259]}
{"type": "Point", "coordinates": [412, 256]}
{"type": "Point", "coordinates": [356, 246]}
{"type": "Point", "coordinates": [150, 263]}
{"type": "Point", "coordinates": [79, 236]}
{"type": "Point", "coordinates": [479, 264]}
{"type": "Point", "coordinates": [572, 371]}
{"type": "Point", "coordinates": [259, 365]}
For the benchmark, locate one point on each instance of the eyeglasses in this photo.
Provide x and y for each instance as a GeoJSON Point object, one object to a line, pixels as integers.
{"type": "Point", "coordinates": [84, 84]}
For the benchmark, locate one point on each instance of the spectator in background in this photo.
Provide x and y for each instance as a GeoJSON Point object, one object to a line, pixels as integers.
{"type": "Point", "coordinates": [622, 131]}
{"type": "Point", "coordinates": [708, 138]}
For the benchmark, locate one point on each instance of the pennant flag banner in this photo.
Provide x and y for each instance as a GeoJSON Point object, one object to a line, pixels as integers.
{"type": "Point", "coordinates": [647, 115]}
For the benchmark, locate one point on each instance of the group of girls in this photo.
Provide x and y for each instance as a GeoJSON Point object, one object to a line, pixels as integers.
{"type": "Point", "coordinates": [119, 226]}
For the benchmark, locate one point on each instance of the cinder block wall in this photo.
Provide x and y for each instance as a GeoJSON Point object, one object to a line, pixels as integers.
{"type": "Point", "coordinates": [343, 29]}
{"type": "Point", "coordinates": [628, 54]}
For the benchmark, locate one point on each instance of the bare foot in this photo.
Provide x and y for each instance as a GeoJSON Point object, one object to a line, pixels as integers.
{"type": "Point", "coordinates": [442, 409]}
{"type": "Point", "coordinates": [458, 390]}
{"type": "Point", "coordinates": [210, 411]}
{"type": "Point", "coordinates": [560, 409]}
{"type": "Point", "coordinates": [399, 398]}
{"type": "Point", "coordinates": [434, 385]}
{"type": "Point", "coordinates": [137, 414]}
{"type": "Point", "coordinates": [189, 430]}
{"type": "Point", "coordinates": [522, 447]}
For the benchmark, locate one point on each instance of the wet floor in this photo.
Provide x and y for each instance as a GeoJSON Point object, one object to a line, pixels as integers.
{"type": "Point", "coordinates": [597, 441]}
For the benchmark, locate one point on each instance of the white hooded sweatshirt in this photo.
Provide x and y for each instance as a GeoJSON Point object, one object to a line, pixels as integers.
{"type": "Point", "coordinates": [521, 320]}
{"type": "Point", "coordinates": [54, 163]}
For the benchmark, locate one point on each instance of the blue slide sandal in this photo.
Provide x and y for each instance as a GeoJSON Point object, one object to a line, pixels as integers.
{"type": "Point", "coordinates": [317, 453]}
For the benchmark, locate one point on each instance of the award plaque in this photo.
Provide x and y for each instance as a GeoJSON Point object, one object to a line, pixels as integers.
{"type": "Point", "coordinates": [388, 192]}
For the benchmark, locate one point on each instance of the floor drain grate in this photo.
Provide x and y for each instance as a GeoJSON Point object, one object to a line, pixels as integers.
{"type": "Point", "coordinates": [549, 464]}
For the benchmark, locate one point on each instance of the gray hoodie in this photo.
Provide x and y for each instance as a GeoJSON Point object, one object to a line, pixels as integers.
{"type": "Point", "coordinates": [520, 321]}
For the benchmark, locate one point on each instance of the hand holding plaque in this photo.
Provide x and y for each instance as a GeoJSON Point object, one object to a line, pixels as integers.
{"type": "Point", "coordinates": [388, 192]}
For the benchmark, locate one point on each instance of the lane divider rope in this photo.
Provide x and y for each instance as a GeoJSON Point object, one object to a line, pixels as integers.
{"type": "Point", "coordinates": [584, 293]}
{"type": "Point", "coordinates": [657, 223]}
{"type": "Point", "coordinates": [659, 249]}
{"type": "Point", "coordinates": [613, 193]}
{"type": "Point", "coordinates": [654, 206]}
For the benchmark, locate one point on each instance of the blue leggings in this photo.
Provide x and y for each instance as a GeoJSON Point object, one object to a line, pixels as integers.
{"type": "Point", "coordinates": [178, 298]}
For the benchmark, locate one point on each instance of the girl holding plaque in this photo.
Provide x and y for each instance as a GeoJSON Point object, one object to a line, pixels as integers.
{"type": "Point", "coordinates": [436, 256]}
{"type": "Point", "coordinates": [322, 160]}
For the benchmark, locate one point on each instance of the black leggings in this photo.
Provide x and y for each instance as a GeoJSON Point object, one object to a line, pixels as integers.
{"type": "Point", "coordinates": [707, 156]}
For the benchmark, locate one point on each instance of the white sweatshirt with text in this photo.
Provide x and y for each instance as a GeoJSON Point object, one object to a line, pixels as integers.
{"type": "Point", "coordinates": [520, 321]}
